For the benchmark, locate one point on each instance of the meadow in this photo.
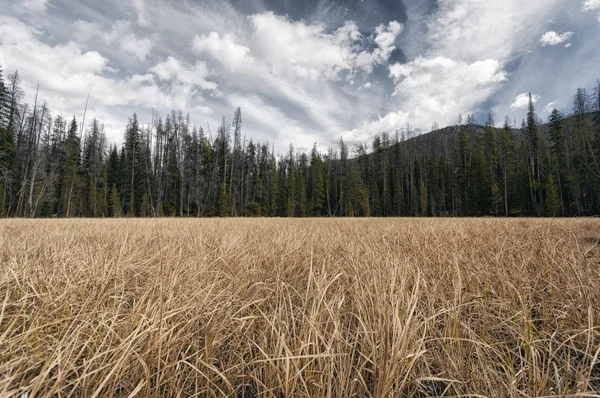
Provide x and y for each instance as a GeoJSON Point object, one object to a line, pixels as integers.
{"type": "Point", "coordinates": [300, 308]}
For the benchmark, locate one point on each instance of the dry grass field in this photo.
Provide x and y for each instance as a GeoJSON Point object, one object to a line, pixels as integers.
{"type": "Point", "coordinates": [299, 308]}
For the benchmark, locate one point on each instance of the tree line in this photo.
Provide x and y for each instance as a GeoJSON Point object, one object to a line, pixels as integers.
{"type": "Point", "coordinates": [56, 167]}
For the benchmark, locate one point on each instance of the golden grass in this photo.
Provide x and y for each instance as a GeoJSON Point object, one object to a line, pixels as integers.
{"type": "Point", "coordinates": [292, 308]}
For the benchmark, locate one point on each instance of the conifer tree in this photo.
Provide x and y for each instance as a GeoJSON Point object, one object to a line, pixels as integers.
{"type": "Point", "coordinates": [552, 199]}
{"type": "Point", "coordinates": [223, 205]}
{"type": "Point", "coordinates": [423, 198]}
{"type": "Point", "coordinates": [70, 175]}
{"type": "Point", "coordinates": [533, 141]}
{"type": "Point", "coordinates": [317, 183]}
{"type": "Point", "coordinates": [557, 151]}
{"type": "Point", "coordinates": [58, 167]}
{"type": "Point", "coordinates": [115, 202]}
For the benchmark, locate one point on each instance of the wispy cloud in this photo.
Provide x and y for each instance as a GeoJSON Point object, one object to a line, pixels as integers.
{"type": "Point", "coordinates": [141, 11]}
{"type": "Point", "coordinates": [120, 34]}
{"type": "Point", "coordinates": [592, 5]}
{"type": "Point", "coordinates": [469, 43]}
{"type": "Point", "coordinates": [550, 107]}
{"type": "Point", "coordinates": [300, 50]}
{"type": "Point", "coordinates": [35, 6]}
{"type": "Point", "coordinates": [311, 75]}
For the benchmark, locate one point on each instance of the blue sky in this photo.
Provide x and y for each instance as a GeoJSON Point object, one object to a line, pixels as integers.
{"type": "Point", "coordinates": [303, 71]}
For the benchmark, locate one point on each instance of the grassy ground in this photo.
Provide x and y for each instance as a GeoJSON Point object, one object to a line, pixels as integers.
{"type": "Point", "coordinates": [292, 308]}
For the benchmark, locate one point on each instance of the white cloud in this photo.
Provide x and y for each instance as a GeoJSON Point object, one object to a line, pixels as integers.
{"type": "Point", "coordinates": [552, 38]}
{"type": "Point", "coordinates": [290, 49]}
{"type": "Point", "coordinates": [385, 37]}
{"type": "Point", "coordinates": [287, 74]}
{"type": "Point", "coordinates": [389, 123]}
{"type": "Point", "coordinates": [224, 49]}
{"type": "Point", "coordinates": [437, 89]}
{"type": "Point", "coordinates": [273, 119]}
{"type": "Point", "coordinates": [86, 30]}
{"type": "Point", "coordinates": [67, 72]}
{"type": "Point", "coordinates": [141, 10]}
{"type": "Point", "coordinates": [34, 6]}
{"type": "Point", "coordinates": [468, 42]}
{"type": "Point", "coordinates": [568, 45]}
{"type": "Point", "coordinates": [138, 47]}
{"type": "Point", "coordinates": [298, 81]}
{"type": "Point", "coordinates": [121, 32]}
{"type": "Point", "coordinates": [591, 5]}
{"type": "Point", "coordinates": [522, 101]}
{"type": "Point", "coordinates": [550, 107]}
{"type": "Point", "coordinates": [295, 48]}
{"type": "Point", "coordinates": [173, 69]}
{"type": "Point", "coordinates": [470, 30]}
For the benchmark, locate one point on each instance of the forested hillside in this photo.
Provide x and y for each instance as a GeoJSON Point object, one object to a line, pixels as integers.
{"type": "Point", "coordinates": [55, 167]}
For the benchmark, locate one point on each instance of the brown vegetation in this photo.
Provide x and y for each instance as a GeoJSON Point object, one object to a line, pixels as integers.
{"type": "Point", "coordinates": [274, 308]}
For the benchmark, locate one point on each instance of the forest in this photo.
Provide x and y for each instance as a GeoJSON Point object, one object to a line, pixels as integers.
{"type": "Point", "coordinates": [51, 166]}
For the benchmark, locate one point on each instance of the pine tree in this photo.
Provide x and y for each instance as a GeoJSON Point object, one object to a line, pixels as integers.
{"type": "Point", "coordinates": [253, 209]}
{"type": "Point", "coordinates": [236, 175]}
{"type": "Point", "coordinates": [115, 202]}
{"type": "Point", "coordinates": [423, 199]}
{"type": "Point", "coordinates": [532, 131]}
{"type": "Point", "coordinates": [317, 183]}
{"type": "Point", "coordinates": [492, 159]}
{"type": "Point", "coordinates": [481, 191]}
{"type": "Point", "coordinates": [2, 201]}
{"type": "Point", "coordinates": [132, 168]}
{"type": "Point", "coordinates": [557, 151]}
{"type": "Point", "coordinates": [70, 175]}
{"type": "Point", "coordinates": [172, 168]}
{"type": "Point", "coordinates": [223, 205]}
{"type": "Point", "coordinates": [508, 164]}
{"type": "Point", "coordinates": [364, 202]}
{"type": "Point", "coordinates": [552, 199]}
{"type": "Point", "coordinates": [7, 144]}
{"type": "Point", "coordinates": [145, 210]}
{"type": "Point", "coordinates": [464, 174]}
{"type": "Point", "coordinates": [3, 102]}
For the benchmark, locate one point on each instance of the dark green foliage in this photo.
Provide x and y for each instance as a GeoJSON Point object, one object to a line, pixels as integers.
{"type": "Point", "coordinates": [223, 209]}
{"type": "Point", "coordinates": [552, 199]}
{"type": "Point", "coordinates": [253, 210]}
{"type": "Point", "coordinates": [57, 167]}
{"type": "Point", "coordinates": [2, 201]}
{"type": "Point", "coordinates": [115, 202]}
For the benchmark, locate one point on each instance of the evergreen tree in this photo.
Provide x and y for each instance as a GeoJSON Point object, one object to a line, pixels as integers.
{"type": "Point", "coordinates": [223, 205]}
{"type": "Point", "coordinates": [3, 101]}
{"type": "Point", "coordinates": [464, 174]}
{"type": "Point", "coordinates": [70, 176]}
{"type": "Point", "coordinates": [115, 202]}
{"type": "Point", "coordinates": [423, 198]}
{"type": "Point", "coordinates": [132, 168]}
{"type": "Point", "coordinates": [557, 151]}
{"type": "Point", "coordinates": [3, 211]}
{"type": "Point", "coordinates": [56, 167]}
{"type": "Point", "coordinates": [552, 199]}
{"type": "Point", "coordinates": [7, 144]}
{"type": "Point", "coordinates": [317, 185]}
{"type": "Point", "coordinates": [533, 141]}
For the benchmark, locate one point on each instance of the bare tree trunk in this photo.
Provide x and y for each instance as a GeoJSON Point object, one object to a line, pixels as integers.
{"type": "Point", "coordinates": [36, 163]}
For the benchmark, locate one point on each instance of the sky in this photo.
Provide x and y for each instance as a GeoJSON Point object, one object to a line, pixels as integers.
{"type": "Point", "coordinates": [302, 71]}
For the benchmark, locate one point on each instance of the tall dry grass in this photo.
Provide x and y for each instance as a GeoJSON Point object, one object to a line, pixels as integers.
{"type": "Point", "coordinates": [292, 308]}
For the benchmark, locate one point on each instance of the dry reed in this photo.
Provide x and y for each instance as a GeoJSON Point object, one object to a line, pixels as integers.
{"type": "Point", "coordinates": [292, 308]}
